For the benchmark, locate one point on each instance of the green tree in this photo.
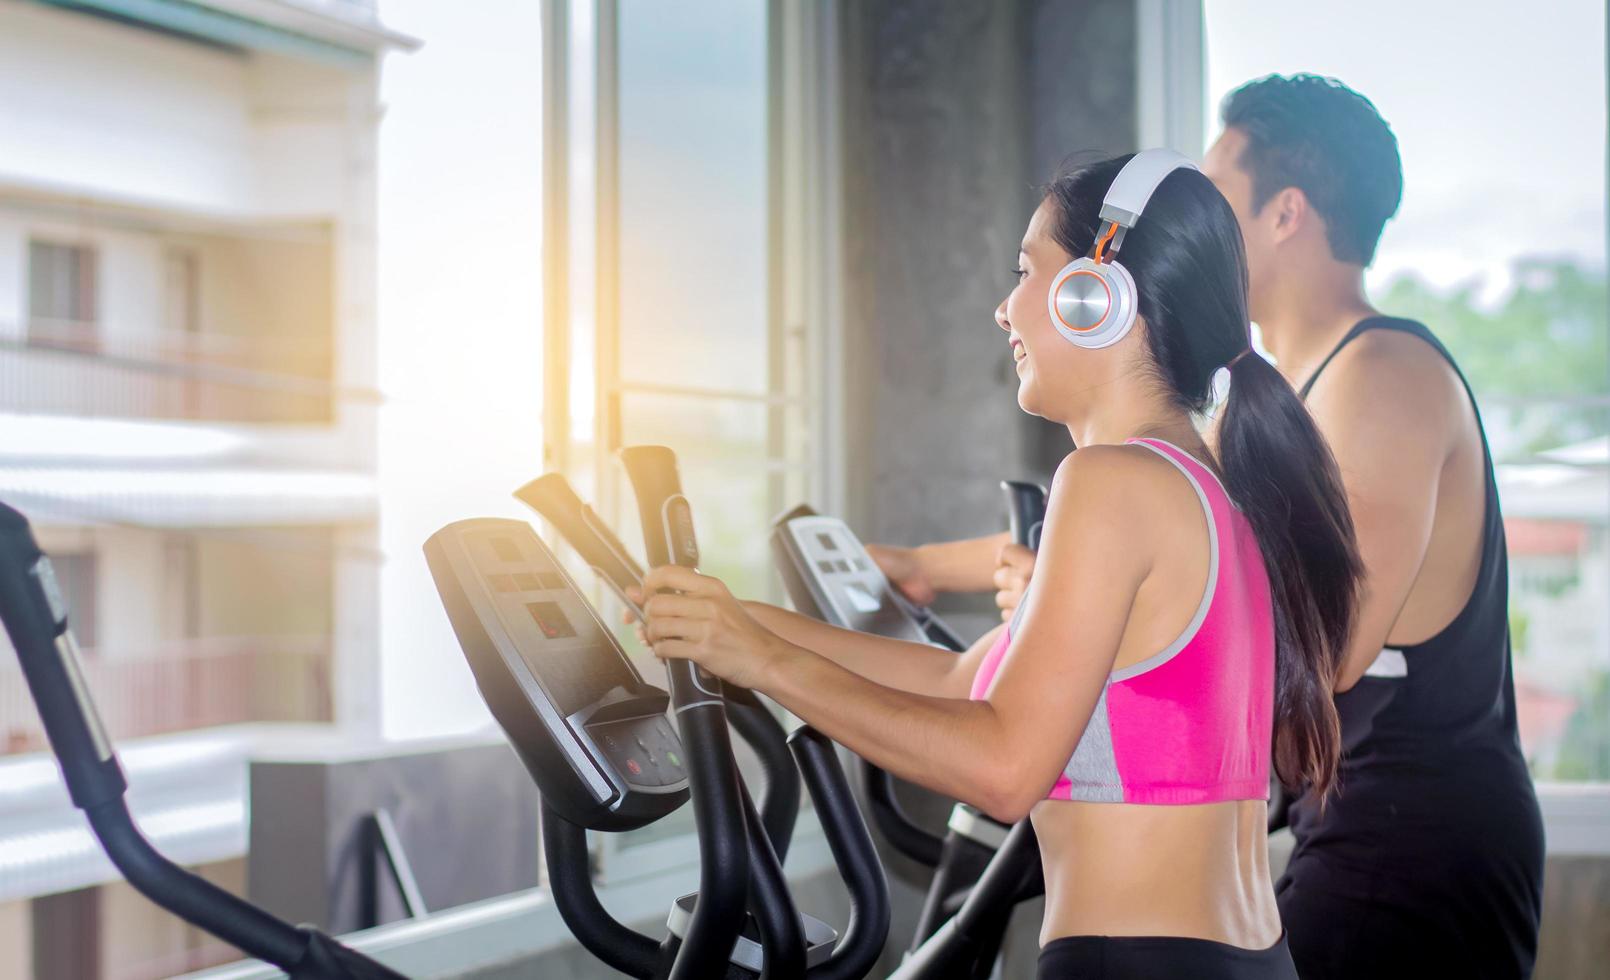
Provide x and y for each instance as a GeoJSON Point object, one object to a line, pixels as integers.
{"type": "Point", "coordinates": [1585, 748]}
{"type": "Point", "coordinates": [1545, 339]}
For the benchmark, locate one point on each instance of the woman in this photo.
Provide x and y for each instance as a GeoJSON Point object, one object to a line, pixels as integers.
{"type": "Point", "coordinates": [1186, 613]}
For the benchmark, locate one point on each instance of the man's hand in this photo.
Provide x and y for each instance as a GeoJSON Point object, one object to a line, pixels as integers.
{"type": "Point", "coordinates": [903, 567]}
{"type": "Point", "coordinates": [1014, 566]}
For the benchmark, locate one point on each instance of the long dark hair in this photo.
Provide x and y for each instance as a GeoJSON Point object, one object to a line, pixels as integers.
{"type": "Point", "coordinates": [1191, 276]}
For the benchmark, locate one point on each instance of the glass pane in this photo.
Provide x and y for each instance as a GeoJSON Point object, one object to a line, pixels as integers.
{"type": "Point", "coordinates": [726, 473]}
{"type": "Point", "coordinates": [1559, 574]}
{"type": "Point", "coordinates": [1511, 278]}
{"type": "Point", "coordinates": [1541, 334]}
{"type": "Point", "coordinates": [697, 428]}
{"type": "Point", "coordinates": [693, 194]}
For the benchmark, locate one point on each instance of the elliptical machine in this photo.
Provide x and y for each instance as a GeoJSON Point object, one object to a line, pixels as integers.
{"type": "Point", "coordinates": [596, 738]}
{"type": "Point", "coordinates": [967, 944]}
{"type": "Point", "coordinates": [829, 575]}
{"type": "Point", "coordinates": [552, 497]}
{"type": "Point", "coordinates": [35, 618]}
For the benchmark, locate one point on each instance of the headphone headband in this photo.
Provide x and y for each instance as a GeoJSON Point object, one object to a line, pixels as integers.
{"type": "Point", "coordinates": [1134, 187]}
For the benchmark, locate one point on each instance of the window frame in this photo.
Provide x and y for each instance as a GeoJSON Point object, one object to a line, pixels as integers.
{"type": "Point", "coordinates": [85, 329]}
{"type": "Point", "coordinates": [802, 294]}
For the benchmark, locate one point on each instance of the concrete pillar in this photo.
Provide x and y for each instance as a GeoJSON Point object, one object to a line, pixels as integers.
{"type": "Point", "coordinates": [954, 112]}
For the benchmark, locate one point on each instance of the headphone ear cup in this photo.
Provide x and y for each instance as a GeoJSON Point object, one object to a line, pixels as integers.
{"type": "Point", "coordinates": [1092, 304]}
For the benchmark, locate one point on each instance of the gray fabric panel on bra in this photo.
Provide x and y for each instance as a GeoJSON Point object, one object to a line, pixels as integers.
{"type": "Point", "coordinates": [1017, 614]}
{"type": "Point", "coordinates": [1093, 770]}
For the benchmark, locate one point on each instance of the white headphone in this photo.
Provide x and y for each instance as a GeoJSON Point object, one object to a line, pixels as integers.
{"type": "Point", "coordinates": [1092, 300]}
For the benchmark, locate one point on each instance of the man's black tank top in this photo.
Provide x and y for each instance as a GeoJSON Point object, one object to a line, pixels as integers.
{"type": "Point", "coordinates": [1435, 806]}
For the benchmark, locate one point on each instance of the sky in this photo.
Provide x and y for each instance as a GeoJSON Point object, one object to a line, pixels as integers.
{"type": "Point", "coordinates": [1499, 114]}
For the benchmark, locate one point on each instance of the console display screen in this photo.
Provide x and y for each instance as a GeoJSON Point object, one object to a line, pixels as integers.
{"type": "Point", "coordinates": [861, 599]}
{"type": "Point", "coordinates": [550, 619]}
{"type": "Point", "coordinates": [505, 549]}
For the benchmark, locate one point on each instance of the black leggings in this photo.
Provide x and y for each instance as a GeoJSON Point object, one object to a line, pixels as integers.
{"type": "Point", "coordinates": [1150, 957]}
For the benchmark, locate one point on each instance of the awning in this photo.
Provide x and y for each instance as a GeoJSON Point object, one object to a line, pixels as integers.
{"type": "Point", "coordinates": [188, 497]}
{"type": "Point", "coordinates": [188, 793]}
{"type": "Point", "coordinates": [1554, 491]}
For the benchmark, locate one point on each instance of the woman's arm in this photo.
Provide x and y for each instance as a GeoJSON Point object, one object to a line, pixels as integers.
{"type": "Point", "coordinates": [900, 664]}
{"type": "Point", "coordinates": [1001, 754]}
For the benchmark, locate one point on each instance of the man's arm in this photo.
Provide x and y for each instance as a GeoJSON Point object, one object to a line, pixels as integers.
{"type": "Point", "coordinates": [923, 572]}
{"type": "Point", "coordinates": [1390, 409]}
{"type": "Point", "coordinates": [1014, 568]}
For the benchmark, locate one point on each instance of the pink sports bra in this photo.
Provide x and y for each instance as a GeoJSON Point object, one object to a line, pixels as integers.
{"type": "Point", "coordinates": [1192, 723]}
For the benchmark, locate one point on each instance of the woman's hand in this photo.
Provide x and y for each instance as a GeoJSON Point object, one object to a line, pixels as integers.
{"type": "Point", "coordinates": [903, 567]}
{"type": "Point", "coordinates": [1014, 566]}
{"type": "Point", "coordinates": [707, 625]}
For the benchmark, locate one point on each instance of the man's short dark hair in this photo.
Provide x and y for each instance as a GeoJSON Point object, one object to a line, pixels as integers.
{"type": "Point", "coordinates": [1326, 140]}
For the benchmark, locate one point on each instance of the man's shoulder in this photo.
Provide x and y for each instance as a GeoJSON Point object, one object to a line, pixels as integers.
{"type": "Point", "coordinates": [1392, 366]}
{"type": "Point", "coordinates": [1390, 385]}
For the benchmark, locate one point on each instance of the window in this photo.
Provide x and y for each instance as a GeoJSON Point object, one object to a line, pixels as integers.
{"type": "Point", "coordinates": [181, 291]}
{"type": "Point", "coordinates": [1500, 249]}
{"type": "Point", "coordinates": [676, 329]}
{"type": "Point", "coordinates": [62, 295]}
{"type": "Point", "coordinates": [672, 333]}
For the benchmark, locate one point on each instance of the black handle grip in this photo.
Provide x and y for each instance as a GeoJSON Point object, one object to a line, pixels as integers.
{"type": "Point", "coordinates": [758, 727]}
{"type": "Point", "coordinates": [966, 945]}
{"type": "Point", "coordinates": [903, 833]}
{"type": "Point", "coordinates": [782, 935]}
{"type": "Point", "coordinates": [552, 496]}
{"type": "Point", "coordinates": [700, 712]}
{"type": "Point", "coordinates": [570, 881]}
{"type": "Point", "coordinates": [1025, 511]}
{"type": "Point", "coordinates": [35, 618]}
{"type": "Point", "coordinates": [853, 853]}
{"type": "Point", "coordinates": [667, 517]}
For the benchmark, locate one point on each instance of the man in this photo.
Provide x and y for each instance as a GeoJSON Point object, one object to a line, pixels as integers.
{"type": "Point", "coordinates": [1429, 859]}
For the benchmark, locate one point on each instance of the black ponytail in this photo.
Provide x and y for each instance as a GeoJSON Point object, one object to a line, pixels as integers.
{"type": "Point", "coordinates": [1282, 475]}
{"type": "Point", "coordinates": [1190, 272]}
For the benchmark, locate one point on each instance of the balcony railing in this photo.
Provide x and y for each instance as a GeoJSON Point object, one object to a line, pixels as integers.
{"type": "Point", "coordinates": [65, 368]}
{"type": "Point", "coordinates": [194, 684]}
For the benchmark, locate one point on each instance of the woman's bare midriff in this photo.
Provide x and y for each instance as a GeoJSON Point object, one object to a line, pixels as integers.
{"type": "Point", "coordinates": [1120, 869]}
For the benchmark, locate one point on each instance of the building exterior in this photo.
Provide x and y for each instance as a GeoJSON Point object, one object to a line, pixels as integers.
{"type": "Point", "coordinates": [187, 376]}
{"type": "Point", "coordinates": [1559, 571]}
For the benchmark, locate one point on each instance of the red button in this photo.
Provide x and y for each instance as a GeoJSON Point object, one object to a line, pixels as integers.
{"type": "Point", "coordinates": [633, 768]}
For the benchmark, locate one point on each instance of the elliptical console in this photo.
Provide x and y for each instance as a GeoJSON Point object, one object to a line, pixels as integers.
{"type": "Point", "coordinates": [591, 731]}
{"type": "Point", "coordinates": [829, 575]}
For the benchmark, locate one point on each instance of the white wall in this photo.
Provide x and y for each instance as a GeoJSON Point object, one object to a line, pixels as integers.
{"type": "Point", "coordinates": [13, 275]}
{"type": "Point", "coordinates": [129, 592]}
{"type": "Point", "coordinates": [130, 114]}
{"type": "Point", "coordinates": [461, 327]}
{"type": "Point", "coordinates": [96, 105]}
